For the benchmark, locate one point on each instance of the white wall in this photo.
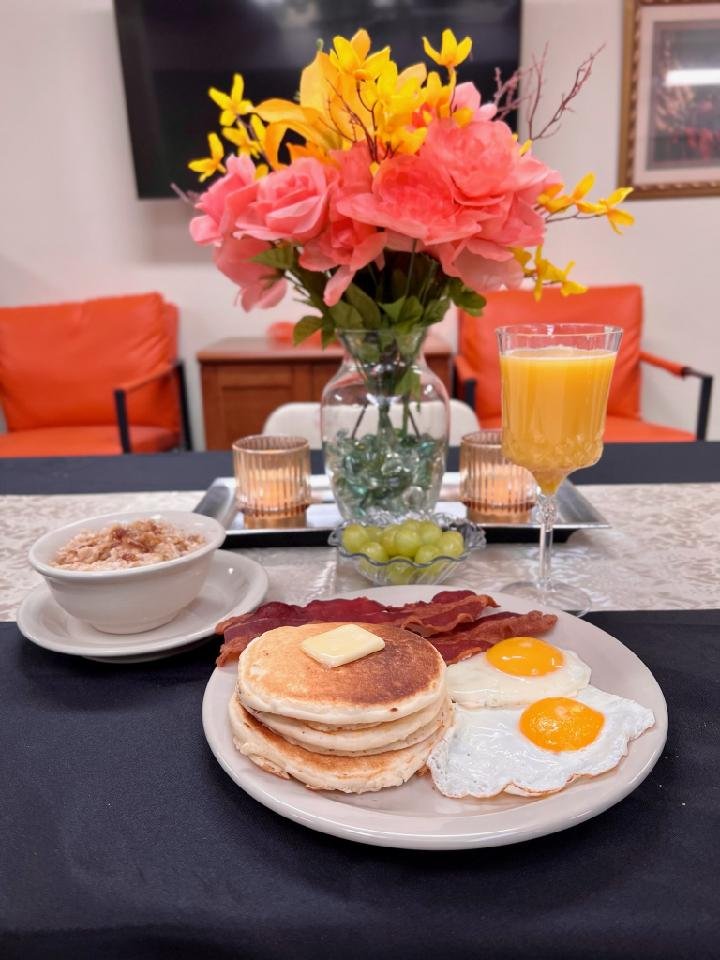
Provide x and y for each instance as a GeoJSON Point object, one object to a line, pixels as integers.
{"type": "Point", "coordinates": [71, 226]}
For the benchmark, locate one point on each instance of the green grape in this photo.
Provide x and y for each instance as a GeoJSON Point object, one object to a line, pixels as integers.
{"type": "Point", "coordinates": [410, 525]}
{"type": "Point", "coordinates": [373, 532]}
{"type": "Point", "coordinates": [407, 542]}
{"type": "Point", "coordinates": [399, 573]}
{"type": "Point", "coordinates": [354, 538]}
{"type": "Point", "coordinates": [427, 552]}
{"type": "Point", "coordinates": [375, 551]}
{"type": "Point", "coordinates": [429, 532]}
{"type": "Point", "coordinates": [387, 539]}
{"type": "Point", "coordinates": [451, 544]}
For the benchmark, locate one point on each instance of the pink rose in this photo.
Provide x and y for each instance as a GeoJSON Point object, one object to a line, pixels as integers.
{"type": "Point", "coordinates": [207, 229]}
{"type": "Point", "coordinates": [414, 197]}
{"type": "Point", "coordinates": [260, 286]}
{"type": "Point", "coordinates": [477, 272]}
{"type": "Point", "coordinates": [491, 181]}
{"type": "Point", "coordinates": [344, 243]}
{"type": "Point", "coordinates": [290, 204]}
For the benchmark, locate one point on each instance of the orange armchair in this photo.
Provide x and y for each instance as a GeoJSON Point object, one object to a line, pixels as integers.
{"type": "Point", "coordinates": [92, 378]}
{"type": "Point", "coordinates": [477, 368]}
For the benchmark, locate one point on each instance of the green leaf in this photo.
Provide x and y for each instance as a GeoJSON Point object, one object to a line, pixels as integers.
{"type": "Point", "coordinates": [281, 257]}
{"type": "Point", "coordinates": [345, 316]}
{"type": "Point", "coordinates": [306, 328]}
{"type": "Point", "coordinates": [465, 298]}
{"type": "Point", "coordinates": [435, 310]}
{"type": "Point", "coordinates": [365, 305]}
{"type": "Point", "coordinates": [405, 311]}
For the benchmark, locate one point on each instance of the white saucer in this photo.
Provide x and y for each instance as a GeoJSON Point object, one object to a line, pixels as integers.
{"type": "Point", "coordinates": [234, 585]}
{"type": "Point", "coordinates": [415, 815]}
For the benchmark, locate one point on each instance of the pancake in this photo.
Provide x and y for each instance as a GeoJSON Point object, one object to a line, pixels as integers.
{"type": "Point", "coordinates": [341, 741]}
{"type": "Point", "coordinates": [319, 772]}
{"type": "Point", "coordinates": [276, 676]}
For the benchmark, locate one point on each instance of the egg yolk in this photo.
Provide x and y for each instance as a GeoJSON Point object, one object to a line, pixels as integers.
{"type": "Point", "coordinates": [525, 657]}
{"type": "Point", "coordinates": [559, 723]}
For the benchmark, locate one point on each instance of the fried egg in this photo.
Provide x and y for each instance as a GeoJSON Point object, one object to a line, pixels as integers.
{"type": "Point", "coordinates": [537, 749]}
{"type": "Point", "coordinates": [516, 671]}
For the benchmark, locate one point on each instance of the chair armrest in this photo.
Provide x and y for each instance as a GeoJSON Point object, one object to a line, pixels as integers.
{"type": "Point", "coordinates": [120, 393]}
{"type": "Point", "coordinates": [465, 381]}
{"type": "Point", "coordinates": [132, 385]}
{"type": "Point", "coordinates": [706, 385]}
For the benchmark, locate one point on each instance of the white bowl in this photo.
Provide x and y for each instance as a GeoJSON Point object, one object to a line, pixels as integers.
{"type": "Point", "coordinates": [137, 598]}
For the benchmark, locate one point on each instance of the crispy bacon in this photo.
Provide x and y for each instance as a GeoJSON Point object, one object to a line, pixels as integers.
{"type": "Point", "coordinates": [239, 631]}
{"type": "Point", "coordinates": [443, 614]}
{"type": "Point", "coordinates": [453, 621]}
{"type": "Point", "coordinates": [480, 636]}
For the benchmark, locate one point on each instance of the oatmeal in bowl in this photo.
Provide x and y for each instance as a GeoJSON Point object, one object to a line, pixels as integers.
{"type": "Point", "coordinates": [128, 573]}
{"type": "Point", "coordinates": [120, 546]}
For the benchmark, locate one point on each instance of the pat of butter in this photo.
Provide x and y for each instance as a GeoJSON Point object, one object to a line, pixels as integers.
{"type": "Point", "coordinates": [342, 645]}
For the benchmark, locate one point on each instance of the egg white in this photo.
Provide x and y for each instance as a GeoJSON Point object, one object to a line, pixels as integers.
{"type": "Point", "coordinates": [484, 752]}
{"type": "Point", "coordinates": [475, 682]}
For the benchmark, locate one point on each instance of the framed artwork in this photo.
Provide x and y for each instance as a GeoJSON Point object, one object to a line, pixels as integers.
{"type": "Point", "coordinates": [670, 133]}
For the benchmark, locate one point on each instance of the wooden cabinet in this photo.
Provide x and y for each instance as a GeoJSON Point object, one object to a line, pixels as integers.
{"type": "Point", "coordinates": [245, 379]}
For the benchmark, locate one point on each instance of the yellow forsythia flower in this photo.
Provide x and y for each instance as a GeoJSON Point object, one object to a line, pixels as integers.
{"type": "Point", "coordinates": [233, 104]}
{"type": "Point", "coordinates": [351, 56]}
{"type": "Point", "coordinates": [451, 53]}
{"type": "Point", "coordinates": [546, 272]}
{"type": "Point", "coordinates": [207, 166]}
{"type": "Point", "coordinates": [617, 218]}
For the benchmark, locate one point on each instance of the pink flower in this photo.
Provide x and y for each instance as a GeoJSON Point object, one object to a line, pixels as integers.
{"type": "Point", "coordinates": [411, 196]}
{"type": "Point", "coordinates": [344, 243]}
{"type": "Point", "coordinates": [260, 286]}
{"type": "Point", "coordinates": [467, 97]}
{"type": "Point", "coordinates": [477, 272]}
{"type": "Point", "coordinates": [290, 204]}
{"type": "Point", "coordinates": [207, 229]}
{"type": "Point", "coordinates": [491, 181]}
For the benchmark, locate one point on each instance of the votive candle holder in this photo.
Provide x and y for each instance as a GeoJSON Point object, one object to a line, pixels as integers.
{"type": "Point", "coordinates": [272, 477]}
{"type": "Point", "coordinates": [491, 487]}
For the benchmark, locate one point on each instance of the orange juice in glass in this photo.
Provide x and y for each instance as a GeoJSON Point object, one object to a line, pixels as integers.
{"type": "Point", "coordinates": [555, 385]}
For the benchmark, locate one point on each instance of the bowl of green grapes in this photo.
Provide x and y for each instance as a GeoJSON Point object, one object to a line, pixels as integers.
{"type": "Point", "coordinates": [423, 549]}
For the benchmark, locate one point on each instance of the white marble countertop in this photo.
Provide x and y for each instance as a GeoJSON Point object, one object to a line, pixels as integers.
{"type": "Point", "coordinates": [662, 550]}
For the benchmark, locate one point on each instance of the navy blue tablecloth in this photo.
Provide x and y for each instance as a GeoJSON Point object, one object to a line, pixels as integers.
{"type": "Point", "coordinates": [122, 839]}
{"type": "Point", "coordinates": [620, 463]}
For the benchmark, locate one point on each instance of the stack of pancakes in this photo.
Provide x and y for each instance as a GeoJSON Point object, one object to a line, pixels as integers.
{"type": "Point", "coordinates": [362, 726]}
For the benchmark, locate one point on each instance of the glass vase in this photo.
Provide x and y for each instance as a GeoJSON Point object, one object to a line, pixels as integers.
{"type": "Point", "coordinates": [385, 422]}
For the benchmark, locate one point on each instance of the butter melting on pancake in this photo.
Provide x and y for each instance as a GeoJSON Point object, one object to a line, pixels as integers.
{"type": "Point", "coordinates": [276, 676]}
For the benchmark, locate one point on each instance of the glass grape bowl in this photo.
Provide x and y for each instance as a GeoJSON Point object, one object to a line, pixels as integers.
{"type": "Point", "coordinates": [394, 569]}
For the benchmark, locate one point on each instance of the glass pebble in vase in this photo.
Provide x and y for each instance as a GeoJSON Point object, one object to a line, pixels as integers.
{"type": "Point", "coordinates": [385, 423]}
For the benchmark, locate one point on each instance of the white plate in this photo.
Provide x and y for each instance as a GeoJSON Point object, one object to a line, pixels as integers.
{"type": "Point", "coordinates": [234, 585]}
{"type": "Point", "coordinates": [415, 815]}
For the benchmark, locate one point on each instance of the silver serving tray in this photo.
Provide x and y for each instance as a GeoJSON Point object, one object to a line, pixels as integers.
{"type": "Point", "coordinates": [575, 512]}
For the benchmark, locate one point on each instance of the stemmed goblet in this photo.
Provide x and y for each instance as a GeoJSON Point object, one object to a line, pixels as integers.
{"type": "Point", "coordinates": [555, 385]}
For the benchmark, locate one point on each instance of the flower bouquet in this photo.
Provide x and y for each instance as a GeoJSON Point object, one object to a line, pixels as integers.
{"type": "Point", "coordinates": [383, 196]}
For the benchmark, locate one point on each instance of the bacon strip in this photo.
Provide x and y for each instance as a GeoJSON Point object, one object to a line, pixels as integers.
{"type": "Point", "coordinates": [454, 607]}
{"type": "Point", "coordinates": [440, 616]}
{"type": "Point", "coordinates": [452, 621]}
{"type": "Point", "coordinates": [480, 636]}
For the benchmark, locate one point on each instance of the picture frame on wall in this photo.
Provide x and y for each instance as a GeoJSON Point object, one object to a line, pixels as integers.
{"type": "Point", "coordinates": [670, 127]}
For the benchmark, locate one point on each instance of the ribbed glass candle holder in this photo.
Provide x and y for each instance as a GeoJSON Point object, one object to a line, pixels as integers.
{"type": "Point", "coordinates": [490, 486]}
{"type": "Point", "coordinates": [272, 476]}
